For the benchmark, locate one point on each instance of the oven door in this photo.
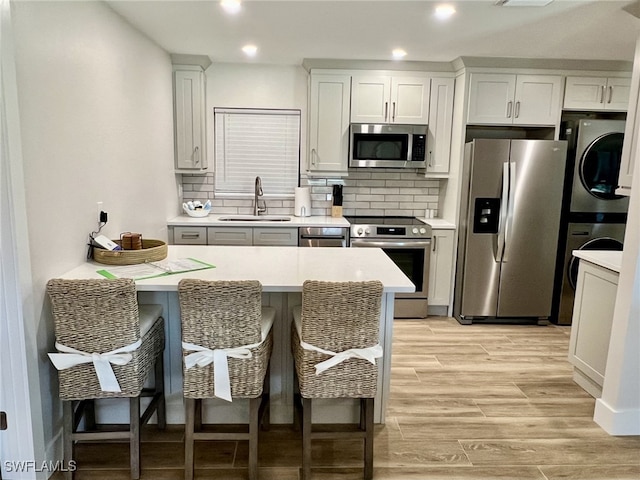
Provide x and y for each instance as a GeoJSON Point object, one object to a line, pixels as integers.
{"type": "Point", "coordinates": [411, 256]}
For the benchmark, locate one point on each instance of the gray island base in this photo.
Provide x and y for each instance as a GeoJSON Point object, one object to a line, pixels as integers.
{"type": "Point", "coordinates": [282, 271]}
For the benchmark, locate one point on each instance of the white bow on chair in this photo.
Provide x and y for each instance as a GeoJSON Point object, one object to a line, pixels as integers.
{"type": "Point", "coordinates": [71, 357]}
{"type": "Point", "coordinates": [202, 357]}
{"type": "Point", "coordinates": [367, 353]}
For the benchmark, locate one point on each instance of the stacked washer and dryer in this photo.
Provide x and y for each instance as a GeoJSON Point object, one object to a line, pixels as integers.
{"type": "Point", "coordinates": [596, 215]}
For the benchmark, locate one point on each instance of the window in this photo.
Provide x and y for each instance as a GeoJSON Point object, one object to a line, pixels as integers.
{"type": "Point", "coordinates": [256, 142]}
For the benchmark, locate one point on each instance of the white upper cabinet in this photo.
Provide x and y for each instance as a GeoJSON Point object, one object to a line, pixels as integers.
{"type": "Point", "coordinates": [390, 99]}
{"type": "Point", "coordinates": [440, 125]}
{"type": "Point", "coordinates": [329, 123]}
{"type": "Point", "coordinates": [189, 118]}
{"type": "Point", "coordinates": [597, 93]}
{"type": "Point", "coordinates": [630, 147]}
{"type": "Point", "coordinates": [508, 99]}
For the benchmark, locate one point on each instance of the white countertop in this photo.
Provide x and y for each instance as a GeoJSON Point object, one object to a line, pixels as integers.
{"type": "Point", "coordinates": [279, 269]}
{"type": "Point", "coordinates": [438, 223]}
{"type": "Point", "coordinates": [213, 221]}
{"type": "Point", "coordinates": [609, 259]}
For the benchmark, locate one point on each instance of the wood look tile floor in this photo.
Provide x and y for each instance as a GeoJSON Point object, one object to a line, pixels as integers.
{"type": "Point", "coordinates": [475, 402]}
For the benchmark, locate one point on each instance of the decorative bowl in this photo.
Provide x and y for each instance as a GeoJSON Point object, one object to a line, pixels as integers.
{"type": "Point", "coordinates": [197, 209]}
{"type": "Point", "coordinates": [198, 212]}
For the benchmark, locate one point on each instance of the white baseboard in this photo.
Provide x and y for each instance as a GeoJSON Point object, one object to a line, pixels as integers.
{"type": "Point", "coordinates": [617, 422]}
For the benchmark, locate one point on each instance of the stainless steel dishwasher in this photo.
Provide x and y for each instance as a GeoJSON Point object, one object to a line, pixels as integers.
{"type": "Point", "coordinates": [322, 237]}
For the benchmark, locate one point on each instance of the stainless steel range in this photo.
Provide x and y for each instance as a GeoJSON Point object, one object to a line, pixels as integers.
{"type": "Point", "coordinates": [407, 241]}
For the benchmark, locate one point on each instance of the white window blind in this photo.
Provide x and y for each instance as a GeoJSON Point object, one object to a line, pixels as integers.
{"type": "Point", "coordinates": [256, 142]}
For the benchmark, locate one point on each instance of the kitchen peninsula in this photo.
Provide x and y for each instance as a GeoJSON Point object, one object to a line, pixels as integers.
{"type": "Point", "coordinates": [282, 271]}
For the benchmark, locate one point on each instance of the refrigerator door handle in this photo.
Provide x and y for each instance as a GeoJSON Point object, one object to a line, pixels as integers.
{"type": "Point", "coordinates": [503, 211]}
{"type": "Point", "coordinates": [510, 208]}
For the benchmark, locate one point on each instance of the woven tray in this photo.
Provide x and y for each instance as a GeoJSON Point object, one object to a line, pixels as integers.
{"type": "Point", "coordinates": [152, 251]}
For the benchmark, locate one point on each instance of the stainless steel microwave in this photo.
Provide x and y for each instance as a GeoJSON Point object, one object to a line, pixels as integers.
{"type": "Point", "coordinates": [390, 146]}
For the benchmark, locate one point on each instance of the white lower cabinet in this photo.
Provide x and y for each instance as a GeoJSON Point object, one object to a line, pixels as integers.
{"type": "Point", "coordinates": [591, 325]}
{"type": "Point", "coordinates": [189, 236]}
{"type": "Point", "coordinates": [440, 268]}
{"type": "Point", "coordinates": [269, 236]}
{"type": "Point", "coordinates": [246, 236]}
{"type": "Point", "coordinates": [230, 236]}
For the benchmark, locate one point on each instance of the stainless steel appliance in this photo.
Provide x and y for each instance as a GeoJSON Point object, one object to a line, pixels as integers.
{"type": "Point", "coordinates": [322, 237]}
{"type": "Point", "coordinates": [390, 146]}
{"type": "Point", "coordinates": [509, 222]}
{"type": "Point", "coordinates": [407, 241]}
{"type": "Point", "coordinates": [597, 163]}
{"type": "Point", "coordinates": [585, 236]}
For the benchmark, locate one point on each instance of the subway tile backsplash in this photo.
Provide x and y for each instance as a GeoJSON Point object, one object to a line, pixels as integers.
{"type": "Point", "coordinates": [366, 191]}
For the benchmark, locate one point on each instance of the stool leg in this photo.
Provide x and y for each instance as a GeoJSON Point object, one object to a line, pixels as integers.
{"type": "Point", "coordinates": [90, 415]}
{"type": "Point", "coordinates": [368, 438]}
{"type": "Point", "coordinates": [197, 419]}
{"type": "Point", "coordinates": [134, 439]}
{"type": "Point", "coordinates": [189, 414]}
{"type": "Point", "coordinates": [266, 403]}
{"type": "Point", "coordinates": [161, 409]}
{"type": "Point", "coordinates": [254, 426]}
{"type": "Point", "coordinates": [67, 438]}
{"type": "Point", "coordinates": [306, 439]}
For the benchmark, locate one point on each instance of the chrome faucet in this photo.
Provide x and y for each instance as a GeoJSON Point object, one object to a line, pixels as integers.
{"type": "Point", "coordinates": [258, 193]}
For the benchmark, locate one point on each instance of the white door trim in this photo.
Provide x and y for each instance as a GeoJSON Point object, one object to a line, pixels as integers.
{"type": "Point", "coordinates": [19, 376]}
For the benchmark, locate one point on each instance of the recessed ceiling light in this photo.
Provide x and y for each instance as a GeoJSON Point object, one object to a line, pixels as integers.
{"type": "Point", "coordinates": [444, 11]}
{"type": "Point", "coordinates": [250, 50]}
{"type": "Point", "coordinates": [523, 3]}
{"type": "Point", "coordinates": [231, 6]}
{"type": "Point", "coordinates": [398, 53]}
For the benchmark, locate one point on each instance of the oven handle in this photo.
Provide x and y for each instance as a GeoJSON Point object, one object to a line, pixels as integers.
{"type": "Point", "coordinates": [395, 244]}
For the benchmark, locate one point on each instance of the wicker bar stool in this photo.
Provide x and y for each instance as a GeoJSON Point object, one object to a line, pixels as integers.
{"type": "Point", "coordinates": [107, 346]}
{"type": "Point", "coordinates": [334, 341]}
{"type": "Point", "coordinates": [226, 343]}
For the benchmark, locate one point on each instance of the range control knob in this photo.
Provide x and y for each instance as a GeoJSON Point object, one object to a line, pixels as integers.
{"type": "Point", "coordinates": [367, 232]}
{"type": "Point", "coordinates": [414, 230]}
{"type": "Point", "coordinates": [423, 231]}
{"type": "Point", "coordinates": [360, 231]}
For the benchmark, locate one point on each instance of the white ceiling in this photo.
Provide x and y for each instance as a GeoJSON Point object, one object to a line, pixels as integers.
{"type": "Point", "coordinates": [286, 32]}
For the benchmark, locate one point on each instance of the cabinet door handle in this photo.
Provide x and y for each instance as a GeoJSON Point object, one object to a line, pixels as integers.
{"type": "Point", "coordinates": [509, 108]}
{"type": "Point", "coordinates": [610, 94]}
{"type": "Point", "coordinates": [393, 118]}
{"type": "Point", "coordinates": [601, 94]}
{"type": "Point", "coordinates": [517, 114]}
{"type": "Point", "coordinates": [196, 155]}
{"type": "Point", "coordinates": [386, 110]}
{"type": "Point", "coordinates": [313, 156]}
{"type": "Point", "coordinates": [433, 248]}
{"type": "Point", "coordinates": [430, 158]}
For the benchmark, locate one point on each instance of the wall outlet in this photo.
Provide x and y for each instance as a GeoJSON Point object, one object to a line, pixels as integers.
{"type": "Point", "coordinates": [99, 208]}
{"type": "Point", "coordinates": [328, 196]}
{"type": "Point", "coordinates": [101, 213]}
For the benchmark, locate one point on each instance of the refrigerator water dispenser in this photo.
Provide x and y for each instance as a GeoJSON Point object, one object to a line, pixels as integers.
{"type": "Point", "coordinates": [487, 215]}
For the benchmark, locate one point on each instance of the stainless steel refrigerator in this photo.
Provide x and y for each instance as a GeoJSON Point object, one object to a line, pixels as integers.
{"type": "Point", "coordinates": [509, 222]}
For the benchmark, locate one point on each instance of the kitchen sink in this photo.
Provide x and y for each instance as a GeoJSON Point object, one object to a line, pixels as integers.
{"type": "Point", "coordinates": [255, 218]}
